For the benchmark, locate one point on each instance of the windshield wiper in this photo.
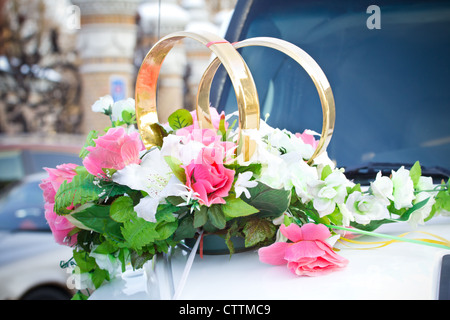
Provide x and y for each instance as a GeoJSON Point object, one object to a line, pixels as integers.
{"type": "Point", "coordinates": [367, 172]}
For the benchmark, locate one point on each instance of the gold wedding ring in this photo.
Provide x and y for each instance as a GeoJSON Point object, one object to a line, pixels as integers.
{"type": "Point", "coordinates": [302, 58]}
{"type": "Point", "coordinates": [241, 78]}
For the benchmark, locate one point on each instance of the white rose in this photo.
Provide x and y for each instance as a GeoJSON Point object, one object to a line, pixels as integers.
{"type": "Point", "coordinates": [120, 106]}
{"type": "Point", "coordinates": [366, 208]}
{"type": "Point", "coordinates": [403, 188]}
{"type": "Point", "coordinates": [103, 104]}
{"type": "Point", "coordinates": [330, 192]}
{"type": "Point", "coordinates": [382, 188]}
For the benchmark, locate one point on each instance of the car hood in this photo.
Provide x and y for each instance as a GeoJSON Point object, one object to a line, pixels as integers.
{"type": "Point", "coordinates": [18, 245]}
{"type": "Point", "coordinates": [396, 271]}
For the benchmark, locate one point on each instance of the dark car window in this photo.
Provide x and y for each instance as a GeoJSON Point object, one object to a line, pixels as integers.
{"type": "Point", "coordinates": [390, 84]}
{"type": "Point", "coordinates": [22, 208]}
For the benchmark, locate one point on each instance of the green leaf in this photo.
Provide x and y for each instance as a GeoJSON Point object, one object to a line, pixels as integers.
{"type": "Point", "coordinates": [175, 166]}
{"type": "Point", "coordinates": [79, 191]}
{"type": "Point", "coordinates": [97, 218]}
{"type": "Point", "coordinates": [236, 207]}
{"type": "Point", "coordinates": [417, 206]}
{"type": "Point", "coordinates": [180, 119]}
{"type": "Point", "coordinates": [99, 276]}
{"type": "Point", "coordinates": [122, 209]}
{"type": "Point", "coordinates": [89, 143]}
{"type": "Point", "coordinates": [139, 233]}
{"type": "Point", "coordinates": [166, 229]}
{"type": "Point", "coordinates": [217, 217]}
{"type": "Point", "coordinates": [257, 231]}
{"type": "Point", "coordinates": [185, 229]}
{"type": "Point", "coordinates": [106, 247]}
{"type": "Point", "coordinates": [326, 171]}
{"type": "Point", "coordinates": [165, 212]}
{"type": "Point", "coordinates": [85, 262]}
{"type": "Point", "coordinates": [270, 202]}
{"type": "Point", "coordinates": [373, 225]}
{"type": "Point", "coordinates": [222, 129]}
{"type": "Point", "coordinates": [415, 173]}
{"type": "Point", "coordinates": [200, 217]}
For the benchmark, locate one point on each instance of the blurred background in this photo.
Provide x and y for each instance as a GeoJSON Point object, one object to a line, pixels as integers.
{"type": "Point", "coordinates": [56, 59]}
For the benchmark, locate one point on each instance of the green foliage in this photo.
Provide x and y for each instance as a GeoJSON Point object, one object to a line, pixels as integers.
{"type": "Point", "coordinates": [180, 119]}
{"type": "Point", "coordinates": [415, 173]}
{"type": "Point", "coordinates": [257, 231]}
{"type": "Point", "coordinates": [89, 143]}
{"type": "Point", "coordinates": [271, 203]}
{"type": "Point", "coordinates": [96, 217]}
{"type": "Point", "coordinates": [80, 190]}
{"type": "Point", "coordinates": [175, 166]}
{"type": "Point", "coordinates": [236, 207]}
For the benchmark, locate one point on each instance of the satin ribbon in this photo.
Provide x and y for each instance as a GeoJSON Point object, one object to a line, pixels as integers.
{"type": "Point", "coordinates": [187, 267]}
{"type": "Point", "coordinates": [440, 243]}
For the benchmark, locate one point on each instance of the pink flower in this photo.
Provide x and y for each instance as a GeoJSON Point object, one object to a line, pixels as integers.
{"type": "Point", "coordinates": [59, 225]}
{"type": "Point", "coordinates": [114, 150]}
{"type": "Point", "coordinates": [308, 138]}
{"type": "Point", "coordinates": [215, 118]}
{"type": "Point", "coordinates": [308, 254]}
{"type": "Point", "coordinates": [207, 176]}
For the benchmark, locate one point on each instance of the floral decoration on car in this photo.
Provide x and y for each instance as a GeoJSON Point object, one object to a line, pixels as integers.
{"type": "Point", "coordinates": [126, 204]}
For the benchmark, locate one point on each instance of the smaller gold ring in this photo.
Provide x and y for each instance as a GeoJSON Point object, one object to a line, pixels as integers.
{"type": "Point", "coordinates": [301, 57]}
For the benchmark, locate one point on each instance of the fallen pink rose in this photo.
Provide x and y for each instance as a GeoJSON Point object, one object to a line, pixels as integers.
{"type": "Point", "coordinates": [308, 254]}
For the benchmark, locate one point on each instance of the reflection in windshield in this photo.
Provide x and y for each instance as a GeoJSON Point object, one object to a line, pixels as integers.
{"type": "Point", "coordinates": [22, 208]}
{"type": "Point", "coordinates": [390, 84]}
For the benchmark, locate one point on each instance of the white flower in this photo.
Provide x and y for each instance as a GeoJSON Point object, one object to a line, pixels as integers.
{"type": "Point", "coordinates": [300, 176]}
{"type": "Point", "coordinates": [120, 106]}
{"type": "Point", "coordinates": [382, 188]}
{"type": "Point", "coordinates": [426, 187]}
{"type": "Point", "coordinates": [103, 105]}
{"type": "Point", "coordinates": [365, 207]}
{"type": "Point", "coordinates": [153, 176]}
{"type": "Point", "coordinates": [107, 262]}
{"type": "Point", "coordinates": [328, 193]}
{"type": "Point", "coordinates": [403, 187]}
{"type": "Point", "coordinates": [243, 182]}
{"type": "Point", "coordinates": [418, 216]}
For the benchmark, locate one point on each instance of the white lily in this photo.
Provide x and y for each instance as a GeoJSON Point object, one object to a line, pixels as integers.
{"type": "Point", "coordinates": [153, 176]}
{"type": "Point", "coordinates": [243, 182]}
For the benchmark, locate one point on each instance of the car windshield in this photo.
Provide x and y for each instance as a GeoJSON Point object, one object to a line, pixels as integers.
{"type": "Point", "coordinates": [22, 208]}
{"type": "Point", "coordinates": [390, 84]}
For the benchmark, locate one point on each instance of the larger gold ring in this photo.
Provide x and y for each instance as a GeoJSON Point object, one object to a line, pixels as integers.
{"type": "Point", "coordinates": [302, 58]}
{"type": "Point", "coordinates": [241, 78]}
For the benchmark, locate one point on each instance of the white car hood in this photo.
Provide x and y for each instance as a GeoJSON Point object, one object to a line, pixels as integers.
{"type": "Point", "coordinates": [397, 271]}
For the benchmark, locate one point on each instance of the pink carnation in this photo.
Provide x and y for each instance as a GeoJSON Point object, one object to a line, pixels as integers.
{"type": "Point", "coordinates": [308, 254]}
{"type": "Point", "coordinates": [59, 225]}
{"type": "Point", "coordinates": [308, 139]}
{"type": "Point", "coordinates": [207, 176]}
{"type": "Point", "coordinates": [114, 150]}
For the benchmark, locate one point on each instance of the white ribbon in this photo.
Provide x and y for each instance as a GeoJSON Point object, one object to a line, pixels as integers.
{"type": "Point", "coordinates": [187, 268]}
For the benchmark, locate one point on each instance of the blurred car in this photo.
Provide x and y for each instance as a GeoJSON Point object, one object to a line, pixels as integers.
{"type": "Point", "coordinates": [392, 109]}
{"type": "Point", "coordinates": [29, 256]}
{"type": "Point", "coordinates": [22, 155]}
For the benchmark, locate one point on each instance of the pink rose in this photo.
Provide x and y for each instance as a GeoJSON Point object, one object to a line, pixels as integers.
{"type": "Point", "coordinates": [208, 138]}
{"type": "Point", "coordinates": [207, 176]}
{"type": "Point", "coordinates": [59, 225]}
{"type": "Point", "coordinates": [308, 254]}
{"type": "Point", "coordinates": [308, 139]}
{"type": "Point", "coordinates": [114, 150]}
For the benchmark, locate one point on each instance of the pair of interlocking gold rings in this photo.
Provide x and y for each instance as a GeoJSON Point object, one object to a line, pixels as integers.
{"type": "Point", "coordinates": [241, 79]}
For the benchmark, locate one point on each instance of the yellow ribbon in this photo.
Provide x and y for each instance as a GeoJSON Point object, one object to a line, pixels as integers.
{"type": "Point", "coordinates": [443, 243]}
{"type": "Point", "coordinates": [440, 242]}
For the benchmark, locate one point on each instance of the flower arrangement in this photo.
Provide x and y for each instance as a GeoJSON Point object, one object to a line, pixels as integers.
{"type": "Point", "coordinates": [126, 204]}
